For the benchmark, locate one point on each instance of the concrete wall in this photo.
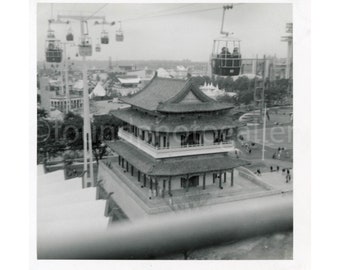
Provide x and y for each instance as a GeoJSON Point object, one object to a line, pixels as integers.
{"type": "Point", "coordinates": [122, 195]}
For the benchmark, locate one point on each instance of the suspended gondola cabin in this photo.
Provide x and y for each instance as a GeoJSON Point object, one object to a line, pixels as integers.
{"type": "Point", "coordinates": [98, 48]}
{"type": "Point", "coordinates": [104, 37]}
{"type": "Point", "coordinates": [53, 50]}
{"type": "Point", "coordinates": [85, 46]}
{"type": "Point", "coordinates": [120, 34]}
{"type": "Point", "coordinates": [69, 35]}
{"type": "Point", "coordinates": [226, 57]}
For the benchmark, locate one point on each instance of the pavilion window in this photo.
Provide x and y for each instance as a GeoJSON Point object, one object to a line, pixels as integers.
{"type": "Point", "coordinates": [167, 141]}
{"type": "Point", "coordinates": [153, 138]}
{"type": "Point", "coordinates": [135, 131]}
{"type": "Point", "coordinates": [157, 140]}
{"type": "Point", "coordinates": [149, 137]}
{"type": "Point", "coordinates": [190, 139]}
{"type": "Point", "coordinates": [164, 141]}
{"type": "Point", "coordinates": [183, 140]}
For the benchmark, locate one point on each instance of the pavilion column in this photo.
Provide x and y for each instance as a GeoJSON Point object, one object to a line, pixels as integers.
{"type": "Point", "coordinates": [138, 173]}
{"type": "Point", "coordinates": [153, 141]}
{"type": "Point", "coordinates": [232, 178]}
{"type": "Point", "coordinates": [132, 170]}
{"type": "Point", "coordinates": [225, 177]}
{"type": "Point", "coordinates": [204, 180]}
{"type": "Point", "coordinates": [119, 160]}
{"type": "Point", "coordinates": [127, 166]}
{"type": "Point", "coordinates": [144, 180]}
{"type": "Point", "coordinates": [220, 180]}
{"type": "Point", "coordinates": [123, 161]}
{"type": "Point", "coordinates": [150, 183]}
{"type": "Point", "coordinates": [187, 183]}
{"type": "Point", "coordinates": [156, 185]}
{"type": "Point", "coordinates": [163, 192]}
{"type": "Point", "coordinates": [169, 188]}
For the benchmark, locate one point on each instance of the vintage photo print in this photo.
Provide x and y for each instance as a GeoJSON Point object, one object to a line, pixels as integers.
{"type": "Point", "coordinates": [165, 132]}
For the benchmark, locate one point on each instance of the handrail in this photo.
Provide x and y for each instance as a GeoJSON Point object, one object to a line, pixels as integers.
{"type": "Point", "coordinates": [171, 233]}
{"type": "Point", "coordinates": [138, 140]}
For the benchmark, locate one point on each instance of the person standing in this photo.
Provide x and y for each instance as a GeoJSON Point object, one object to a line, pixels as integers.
{"type": "Point", "coordinates": [170, 200]}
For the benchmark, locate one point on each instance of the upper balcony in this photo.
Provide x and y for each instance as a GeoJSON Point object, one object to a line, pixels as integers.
{"type": "Point", "coordinates": [166, 152]}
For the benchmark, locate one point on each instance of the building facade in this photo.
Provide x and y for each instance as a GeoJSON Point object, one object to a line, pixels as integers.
{"type": "Point", "coordinates": [53, 96]}
{"type": "Point", "coordinates": [174, 140]}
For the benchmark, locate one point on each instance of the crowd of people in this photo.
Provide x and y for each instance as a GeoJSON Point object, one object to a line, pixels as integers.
{"type": "Point", "coordinates": [278, 153]}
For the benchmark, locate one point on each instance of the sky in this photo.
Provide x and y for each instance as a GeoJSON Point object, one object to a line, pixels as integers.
{"type": "Point", "coordinates": [171, 31]}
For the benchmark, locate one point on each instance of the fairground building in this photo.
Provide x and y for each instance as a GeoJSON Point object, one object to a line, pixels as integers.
{"type": "Point", "coordinates": [176, 146]}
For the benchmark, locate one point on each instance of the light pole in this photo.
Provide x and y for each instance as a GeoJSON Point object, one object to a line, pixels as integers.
{"type": "Point", "coordinates": [87, 136]}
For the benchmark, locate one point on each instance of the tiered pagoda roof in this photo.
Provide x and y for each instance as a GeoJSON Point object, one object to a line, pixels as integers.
{"type": "Point", "coordinates": [174, 96]}
{"type": "Point", "coordinates": [170, 122]}
{"type": "Point", "coordinates": [174, 166]}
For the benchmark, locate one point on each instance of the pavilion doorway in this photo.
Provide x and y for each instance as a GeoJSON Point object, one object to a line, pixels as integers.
{"type": "Point", "coordinates": [193, 181]}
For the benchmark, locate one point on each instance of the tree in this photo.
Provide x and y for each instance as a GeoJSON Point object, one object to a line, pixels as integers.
{"type": "Point", "coordinates": [105, 127]}
{"type": "Point", "coordinates": [41, 113]}
{"type": "Point", "coordinates": [72, 130]}
{"type": "Point", "coordinates": [246, 96]}
{"type": "Point", "coordinates": [242, 84]}
{"type": "Point", "coordinates": [226, 98]}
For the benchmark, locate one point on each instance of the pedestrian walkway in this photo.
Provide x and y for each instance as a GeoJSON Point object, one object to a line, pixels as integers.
{"type": "Point", "coordinates": [278, 180]}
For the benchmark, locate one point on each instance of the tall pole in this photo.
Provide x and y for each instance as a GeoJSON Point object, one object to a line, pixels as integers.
{"type": "Point", "coordinates": [263, 84]}
{"type": "Point", "coordinates": [264, 132]}
{"type": "Point", "coordinates": [87, 140]}
{"type": "Point", "coordinates": [263, 105]}
{"type": "Point", "coordinates": [68, 105]}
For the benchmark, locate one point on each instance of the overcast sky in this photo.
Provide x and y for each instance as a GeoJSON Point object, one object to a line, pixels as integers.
{"type": "Point", "coordinates": [160, 32]}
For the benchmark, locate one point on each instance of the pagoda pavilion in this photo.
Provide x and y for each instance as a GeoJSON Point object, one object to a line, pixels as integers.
{"type": "Point", "coordinates": [175, 138]}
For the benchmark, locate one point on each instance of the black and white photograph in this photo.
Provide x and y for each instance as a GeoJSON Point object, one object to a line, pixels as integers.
{"type": "Point", "coordinates": [165, 131]}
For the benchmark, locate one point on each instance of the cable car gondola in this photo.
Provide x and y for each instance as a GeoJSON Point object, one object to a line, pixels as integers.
{"type": "Point", "coordinates": [98, 48]}
{"type": "Point", "coordinates": [226, 55]}
{"type": "Point", "coordinates": [85, 46]}
{"type": "Point", "coordinates": [120, 34]}
{"type": "Point", "coordinates": [226, 58]}
{"type": "Point", "coordinates": [53, 50]}
{"type": "Point", "coordinates": [104, 37]}
{"type": "Point", "coordinates": [69, 35]}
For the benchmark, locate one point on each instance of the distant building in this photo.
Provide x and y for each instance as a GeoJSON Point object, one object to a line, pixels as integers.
{"type": "Point", "coordinates": [53, 96]}
{"type": "Point", "coordinates": [128, 80]}
{"type": "Point", "coordinates": [128, 67]}
{"type": "Point", "coordinates": [212, 91]}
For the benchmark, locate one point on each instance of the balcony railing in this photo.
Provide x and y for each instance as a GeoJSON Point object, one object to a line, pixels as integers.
{"type": "Point", "coordinates": [185, 150]}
